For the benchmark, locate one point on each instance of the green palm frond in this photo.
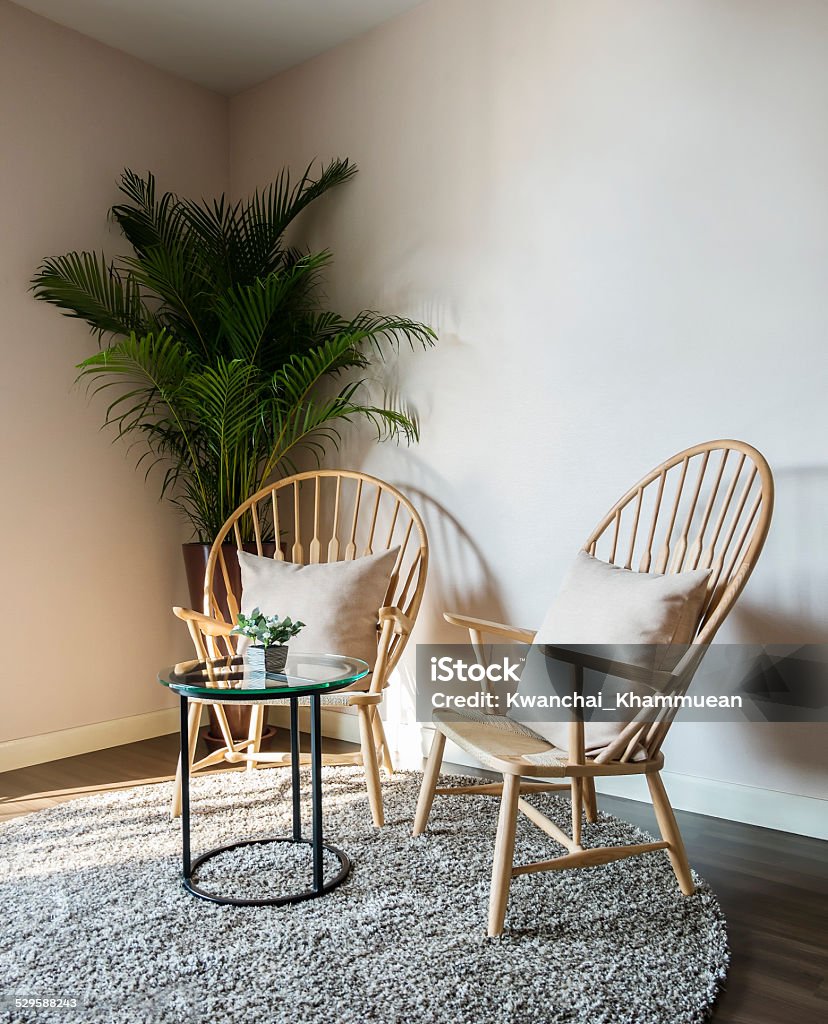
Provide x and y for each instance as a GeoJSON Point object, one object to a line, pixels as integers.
{"type": "Point", "coordinates": [140, 190]}
{"type": "Point", "coordinates": [304, 419]}
{"type": "Point", "coordinates": [185, 305]}
{"type": "Point", "coordinates": [268, 213]}
{"type": "Point", "coordinates": [148, 373]}
{"type": "Point", "coordinates": [86, 286]}
{"type": "Point", "coordinates": [376, 329]}
{"type": "Point", "coordinates": [219, 365]}
{"type": "Point", "coordinates": [217, 236]}
{"type": "Point", "coordinates": [280, 203]}
{"type": "Point", "coordinates": [315, 424]}
{"type": "Point", "coordinates": [145, 222]}
{"type": "Point", "coordinates": [301, 373]}
{"type": "Point", "coordinates": [225, 400]}
{"type": "Point", "coordinates": [257, 319]}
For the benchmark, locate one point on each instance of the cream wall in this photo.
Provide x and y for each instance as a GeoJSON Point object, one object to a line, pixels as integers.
{"type": "Point", "coordinates": [616, 217]}
{"type": "Point", "coordinates": [91, 561]}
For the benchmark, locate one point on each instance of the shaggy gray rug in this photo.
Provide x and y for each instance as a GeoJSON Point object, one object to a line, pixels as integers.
{"type": "Point", "coordinates": [93, 909]}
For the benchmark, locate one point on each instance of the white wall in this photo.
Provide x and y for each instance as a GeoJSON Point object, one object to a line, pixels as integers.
{"type": "Point", "coordinates": [616, 217]}
{"type": "Point", "coordinates": [91, 562]}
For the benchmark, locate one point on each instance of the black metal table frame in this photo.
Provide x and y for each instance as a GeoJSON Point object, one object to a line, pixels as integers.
{"type": "Point", "coordinates": [319, 885]}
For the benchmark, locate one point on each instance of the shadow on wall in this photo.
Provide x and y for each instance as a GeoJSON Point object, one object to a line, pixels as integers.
{"type": "Point", "coordinates": [786, 599]}
{"type": "Point", "coordinates": [460, 578]}
{"type": "Point", "coordinates": [785, 602]}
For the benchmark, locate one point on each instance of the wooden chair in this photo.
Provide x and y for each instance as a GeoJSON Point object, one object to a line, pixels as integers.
{"type": "Point", "coordinates": [707, 507]}
{"type": "Point", "coordinates": [325, 515]}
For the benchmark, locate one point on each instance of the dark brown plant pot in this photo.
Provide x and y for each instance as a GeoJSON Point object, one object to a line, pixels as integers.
{"type": "Point", "coordinates": [195, 565]}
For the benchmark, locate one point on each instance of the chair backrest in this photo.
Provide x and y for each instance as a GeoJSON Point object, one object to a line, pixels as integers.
{"type": "Point", "coordinates": [708, 507]}
{"type": "Point", "coordinates": [325, 515]}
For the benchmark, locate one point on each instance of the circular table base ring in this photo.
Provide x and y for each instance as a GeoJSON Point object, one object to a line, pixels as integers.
{"type": "Point", "coordinates": [272, 901]}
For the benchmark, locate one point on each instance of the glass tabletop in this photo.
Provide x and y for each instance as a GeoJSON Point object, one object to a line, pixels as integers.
{"type": "Point", "coordinates": [236, 679]}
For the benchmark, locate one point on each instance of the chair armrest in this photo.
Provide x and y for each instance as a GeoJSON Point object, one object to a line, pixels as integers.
{"type": "Point", "coordinates": [207, 625]}
{"type": "Point", "coordinates": [364, 698]}
{"type": "Point", "coordinates": [587, 659]}
{"type": "Point", "coordinates": [402, 624]}
{"type": "Point", "coordinates": [500, 629]}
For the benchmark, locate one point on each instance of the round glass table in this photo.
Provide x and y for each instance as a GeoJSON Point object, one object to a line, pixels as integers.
{"type": "Point", "coordinates": [234, 680]}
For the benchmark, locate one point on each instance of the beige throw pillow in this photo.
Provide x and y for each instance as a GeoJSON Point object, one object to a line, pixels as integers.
{"type": "Point", "coordinates": [338, 601]}
{"type": "Point", "coordinates": [601, 603]}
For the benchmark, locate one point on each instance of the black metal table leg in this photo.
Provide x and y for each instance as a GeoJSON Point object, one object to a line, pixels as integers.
{"type": "Point", "coordinates": [316, 787]}
{"type": "Point", "coordinates": [185, 787]}
{"type": "Point", "coordinates": [319, 886]}
{"type": "Point", "coordinates": [294, 768]}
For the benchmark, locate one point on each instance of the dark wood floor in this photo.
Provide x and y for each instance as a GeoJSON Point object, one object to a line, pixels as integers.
{"type": "Point", "coordinates": [773, 886]}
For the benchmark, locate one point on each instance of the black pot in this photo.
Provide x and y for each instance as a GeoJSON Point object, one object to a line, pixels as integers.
{"type": "Point", "coordinates": [271, 659]}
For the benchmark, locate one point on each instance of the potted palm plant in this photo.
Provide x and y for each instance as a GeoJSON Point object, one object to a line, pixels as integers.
{"type": "Point", "coordinates": [214, 348]}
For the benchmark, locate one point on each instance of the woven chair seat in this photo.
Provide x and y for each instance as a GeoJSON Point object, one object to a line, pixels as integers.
{"type": "Point", "coordinates": [500, 743]}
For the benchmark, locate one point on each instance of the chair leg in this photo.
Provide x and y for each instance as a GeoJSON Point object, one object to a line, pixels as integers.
{"type": "Point", "coordinates": [257, 714]}
{"type": "Point", "coordinates": [504, 853]}
{"type": "Point", "coordinates": [193, 722]}
{"type": "Point", "coordinates": [668, 826]}
{"type": "Point", "coordinates": [590, 799]}
{"type": "Point", "coordinates": [429, 783]}
{"type": "Point", "coordinates": [369, 762]}
{"type": "Point", "coordinates": [381, 742]}
{"type": "Point", "coordinates": [577, 809]}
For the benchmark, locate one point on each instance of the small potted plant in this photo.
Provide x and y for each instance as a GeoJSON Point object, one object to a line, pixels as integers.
{"type": "Point", "coordinates": [270, 636]}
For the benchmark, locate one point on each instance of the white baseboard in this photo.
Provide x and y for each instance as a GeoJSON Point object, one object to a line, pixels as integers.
{"type": "Point", "coordinates": [52, 746]}
{"type": "Point", "coordinates": [768, 808]}
{"type": "Point", "coordinates": [785, 812]}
